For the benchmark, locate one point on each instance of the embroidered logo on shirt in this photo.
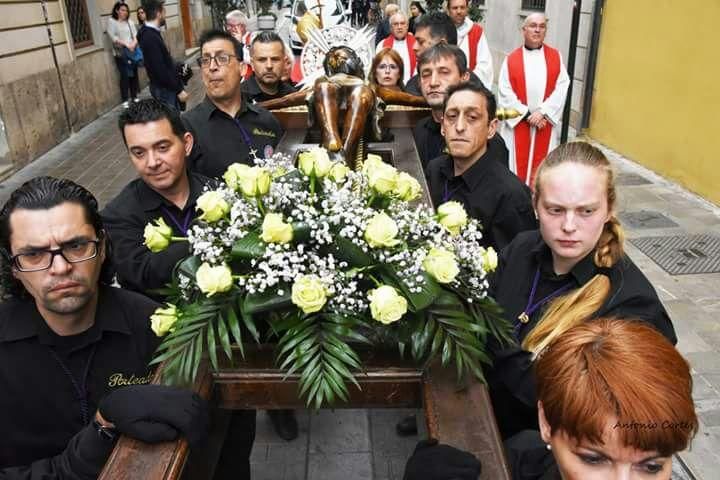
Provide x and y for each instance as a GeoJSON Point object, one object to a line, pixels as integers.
{"type": "Point", "coordinates": [264, 133]}
{"type": "Point", "coordinates": [120, 380]}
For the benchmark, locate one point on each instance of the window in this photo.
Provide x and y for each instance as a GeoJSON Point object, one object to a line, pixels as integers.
{"type": "Point", "coordinates": [534, 5]}
{"type": "Point", "coordinates": [77, 14]}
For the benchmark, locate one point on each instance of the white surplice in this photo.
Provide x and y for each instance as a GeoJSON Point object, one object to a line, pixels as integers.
{"type": "Point", "coordinates": [483, 59]}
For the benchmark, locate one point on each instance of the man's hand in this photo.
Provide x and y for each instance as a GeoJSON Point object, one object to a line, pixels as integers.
{"type": "Point", "coordinates": [183, 96]}
{"type": "Point", "coordinates": [432, 461]}
{"type": "Point", "coordinates": [536, 118]}
{"type": "Point", "coordinates": [156, 413]}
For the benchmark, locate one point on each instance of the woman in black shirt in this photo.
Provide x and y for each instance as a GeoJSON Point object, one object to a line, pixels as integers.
{"type": "Point", "coordinates": [572, 269]}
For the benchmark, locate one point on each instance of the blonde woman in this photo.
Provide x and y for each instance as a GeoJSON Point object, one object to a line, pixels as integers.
{"type": "Point", "coordinates": [572, 269]}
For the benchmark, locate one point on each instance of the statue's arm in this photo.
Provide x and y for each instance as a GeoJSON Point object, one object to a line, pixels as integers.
{"type": "Point", "coordinates": [290, 100]}
{"type": "Point", "coordinates": [397, 97]}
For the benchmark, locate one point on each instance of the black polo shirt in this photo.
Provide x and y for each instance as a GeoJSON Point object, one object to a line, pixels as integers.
{"type": "Point", "coordinates": [40, 408]}
{"type": "Point", "coordinates": [430, 143]}
{"type": "Point", "coordinates": [252, 93]}
{"type": "Point", "coordinates": [489, 192]}
{"type": "Point", "coordinates": [512, 382]}
{"type": "Point", "coordinates": [221, 140]}
{"type": "Point", "coordinates": [125, 218]}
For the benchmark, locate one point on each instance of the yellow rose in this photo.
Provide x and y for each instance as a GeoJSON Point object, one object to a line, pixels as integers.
{"type": "Point", "coordinates": [256, 182]}
{"type": "Point", "coordinates": [490, 259]}
{"type": "Point", "coordinates": [211, 280]}
{"type": "Point", "coordinates": [315, 162]}
{"type": "Point", "coordinates": [339, 172]}
{"type": "Point", "coordinates": [371, 162]}
{"type": "Point", "coordinates": [213, 206]}
{"type": "Point", "coordinates": [163, 320]}
{"type": "Point", "coordinates": [381, 231]}
{"type": "Point", "coordinates": [441, 264]}
{"type": "Point", "coordinates": [234, 173]}
{"type": "Point", "coordinates": [406, 187]}
{"type": "Point", "coordinates": [452, 216]}
{"type": "Point", "coordinates": [386, 304]}
{"type": "Point", "coordinates": [383, 178]}
{"type": "Point", "coordinates": [157, 237]}
{"type": "Point", "coordinates": [308, 293]}
{"type": "Point", "coordinates": [274, 230]}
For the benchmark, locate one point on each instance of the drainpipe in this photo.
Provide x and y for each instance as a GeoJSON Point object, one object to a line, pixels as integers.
{"type": "Point", "coordinates": [592, 63]}
{"type": "Point", "coordinates": [43, 3]}
{"type": "Point", "coordinates": [575, 26]}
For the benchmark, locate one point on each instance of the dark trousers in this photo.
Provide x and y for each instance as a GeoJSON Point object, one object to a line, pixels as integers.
{"type": "Point", "coordinates": [127, 83]}
{"type": "Point", "coordinates": [166, 96]}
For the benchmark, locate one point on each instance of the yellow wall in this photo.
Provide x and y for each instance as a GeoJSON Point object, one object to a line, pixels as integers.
{"type": "Point", "coordinates": [657, 88]}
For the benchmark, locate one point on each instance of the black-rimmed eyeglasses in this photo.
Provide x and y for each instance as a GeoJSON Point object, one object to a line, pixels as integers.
{"type": "Point", "coordinates": [73, 252]}
{"type": "Point", "coordinates": [221, 60]}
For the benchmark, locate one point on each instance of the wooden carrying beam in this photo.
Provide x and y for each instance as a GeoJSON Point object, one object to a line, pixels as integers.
{"type": "Point", "coordinates": [459, 417]}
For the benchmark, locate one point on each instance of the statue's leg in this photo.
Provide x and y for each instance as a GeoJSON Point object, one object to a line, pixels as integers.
{"type": "Point", "coordinates": [326, 108]}
{"type": "Point", "coordinates": [360, 101]}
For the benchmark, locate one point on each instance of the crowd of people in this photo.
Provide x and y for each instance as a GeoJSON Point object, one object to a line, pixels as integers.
{"type": "Point", "coordinates": [592, 386]}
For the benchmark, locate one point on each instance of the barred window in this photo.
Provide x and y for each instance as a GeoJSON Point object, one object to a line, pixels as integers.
{"type": "Point", "coordinates": [535, 5]}
{"type": "Point", "coordinates": [79, 23]}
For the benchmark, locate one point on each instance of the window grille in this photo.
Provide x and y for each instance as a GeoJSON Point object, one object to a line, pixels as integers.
{"type": "Point", "coordinates": [79, 23]}
{"type": "Point", "coordinates": [535, 5]}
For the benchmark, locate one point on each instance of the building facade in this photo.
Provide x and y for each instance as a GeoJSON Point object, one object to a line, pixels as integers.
{"type": "Point", "coordinates": [57, 72]}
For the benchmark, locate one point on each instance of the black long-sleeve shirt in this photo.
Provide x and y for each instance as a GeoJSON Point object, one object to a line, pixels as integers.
{"type": "Point", "coordinates": [159, 65]}
{"type": "Point", "coordinates": [221, 140]}
{"type": "Point", "coordinates": [511, 378]}
{"type": "Point", "coordinates": [489, 192]}
{"type": "Point", "coordinates": [125, 218]}
{"type": "Point", "coordinates": [42, 373]}
{"type": "Point", "coordinates": [252, 93]}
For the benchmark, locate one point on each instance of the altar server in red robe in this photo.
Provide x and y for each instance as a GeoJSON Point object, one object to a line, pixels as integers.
{"type": "Point", "coordinates": [534, 81]}
{"type": "Point", "coordinates": [402, 42]}
{"type": "Point", "coordinates": [472, 41]}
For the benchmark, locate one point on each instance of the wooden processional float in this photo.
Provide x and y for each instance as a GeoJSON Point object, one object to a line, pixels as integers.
{"type": "Point", "coordinates": [348, 117]}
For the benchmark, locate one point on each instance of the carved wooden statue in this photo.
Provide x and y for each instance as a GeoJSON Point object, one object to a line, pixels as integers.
{"type": "Point", "coordinates": [344, 85]}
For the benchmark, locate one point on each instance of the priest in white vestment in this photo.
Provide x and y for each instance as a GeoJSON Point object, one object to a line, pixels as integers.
{"type": "Point", "coordinates": [472, 40]}
{"type": "Point", "coordinates": [402, 42]}
{"type": "Point", "coordinates": [534, 81]}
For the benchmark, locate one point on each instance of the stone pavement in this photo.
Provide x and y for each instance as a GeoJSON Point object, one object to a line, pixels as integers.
{"type": "Point", "coordinates": [361, 444]}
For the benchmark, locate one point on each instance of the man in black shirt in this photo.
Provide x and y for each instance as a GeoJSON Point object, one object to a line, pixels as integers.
{"type": "Point", "coordinates": [471, 175]}
{"type": "Point", "coordinates": [227, 128]}
{"type": "Point", "coordinates": [268, 58]}
{"type": "Point", "coordinates": [165, 84]}
{"type": "Point", "coordinates": [158, 144]}
{"type": "Point", "coordinates": [443, 66]}
{"type": "Point", "coordinates": [66, 338]}
{"type": "Point", "coordinates": [430, 29]}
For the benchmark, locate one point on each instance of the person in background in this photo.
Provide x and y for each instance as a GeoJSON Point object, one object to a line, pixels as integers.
{"type": "Point", "coordinates": [430, 29]}
{"type": "Point", "coordinates": [269, 61]}
{"type": "Point", "coordinates": [236, 25]}
{"type": "Point", "coordinates": [638, 388]}
{"type": "Point", "coordinates": [402, 42]}
{"type": "Point", "coordinates": [387, 69]}
{"type": "Point", "coordinates": [165, 84]}
{"type": "Point", "coordinates": [416, 10]}
{"type": "Point", "coordinates": [140, 14]}
{"type": "Point", "coordinates": [472, 41]}
{"type": "Point", "coordinates": [383, 28]}
{"type": "Point", "coordinates": [123, 34]}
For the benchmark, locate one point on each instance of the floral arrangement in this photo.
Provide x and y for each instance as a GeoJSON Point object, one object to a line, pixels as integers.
{"type": "Point", "coordinates": [325, 259]}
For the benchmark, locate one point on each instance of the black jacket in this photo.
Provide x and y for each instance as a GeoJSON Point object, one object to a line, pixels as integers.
{"type": "Point", "coordinates": [159, 65]}
{"type": "Point", "coordinates": [511, 378]}
{"type": "Point", "coordinates": [125, 218]}
{"type": "Point", "coordinates": [489, 192]}
{"type": "Point", "coordinates": [40, 406]}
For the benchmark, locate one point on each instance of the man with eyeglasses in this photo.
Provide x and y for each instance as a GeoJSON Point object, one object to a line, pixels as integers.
{"type": "Point", "coordinates": [402, 42]}
{"type": "Point", "coordinates": [165, 84]}
{"type": "Point", "coordinates": [268, 57]}
{"type": "Point", "coordinates": [226, 127]}
{"type": "Point", "coordinates": [533, 80]}
{"type": "Point", "coordinates": [70, 344]}
{"type": "Point", "coordinates": [158, 144]}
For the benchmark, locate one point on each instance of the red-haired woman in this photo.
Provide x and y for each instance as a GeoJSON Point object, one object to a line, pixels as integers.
{"type": "Point", "coordinates": [570, 270]}
{"type": "Point", "coordinates": [614, 402]}
{"type": "Point", "coordinates": [387, 69]}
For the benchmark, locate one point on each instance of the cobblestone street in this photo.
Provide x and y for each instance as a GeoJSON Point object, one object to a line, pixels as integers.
{"type": "Point", "coordinates": [361, 444]}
